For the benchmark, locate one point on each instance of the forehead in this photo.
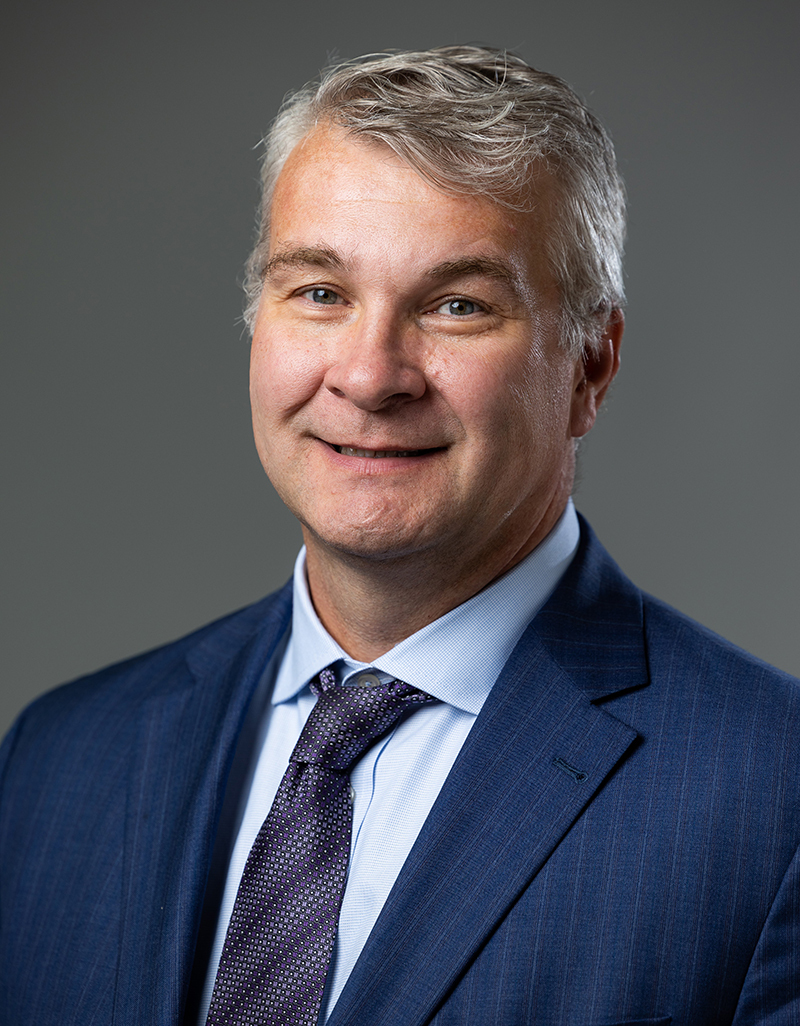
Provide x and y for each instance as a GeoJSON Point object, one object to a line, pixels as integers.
{"type": "Point", "coordinates": [357, 195]}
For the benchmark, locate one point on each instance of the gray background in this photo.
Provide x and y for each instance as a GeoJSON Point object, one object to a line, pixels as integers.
{"type": "Point", "coordinates": [134, 505]}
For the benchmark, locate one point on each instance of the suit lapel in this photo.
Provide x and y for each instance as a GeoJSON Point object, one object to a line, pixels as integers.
{"type": "Point", "coordinates": [535, 757]}
{"type": "Point", "coordinates": [186, 733]}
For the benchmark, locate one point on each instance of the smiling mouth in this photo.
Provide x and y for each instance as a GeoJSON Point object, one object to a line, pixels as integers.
{"type": "Point", "coordinates": [378, 454]}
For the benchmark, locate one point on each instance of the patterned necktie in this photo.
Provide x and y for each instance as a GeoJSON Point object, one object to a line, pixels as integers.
{"type": "Point", "coordinates": [280, 937]}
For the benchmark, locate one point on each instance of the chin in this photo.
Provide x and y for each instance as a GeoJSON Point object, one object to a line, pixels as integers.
{"type": "Point", "coordinates": [374, 543]}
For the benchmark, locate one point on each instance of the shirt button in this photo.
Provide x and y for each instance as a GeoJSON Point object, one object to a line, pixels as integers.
{"type": "Point", "coordinates": [367, 680]}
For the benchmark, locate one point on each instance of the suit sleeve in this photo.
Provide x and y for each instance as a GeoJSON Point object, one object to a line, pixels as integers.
{"type": "Point", "coordinates": [771, 992]}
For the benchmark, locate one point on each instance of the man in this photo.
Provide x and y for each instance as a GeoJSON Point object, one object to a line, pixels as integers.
{"type": "Point", "coordinates": [582, 808]}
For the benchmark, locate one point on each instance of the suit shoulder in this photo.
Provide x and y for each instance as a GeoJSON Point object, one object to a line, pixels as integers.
{"type": "Point", "coordinates": [691, 655]}
{"type": "Point", "coordinates": [667, 627]}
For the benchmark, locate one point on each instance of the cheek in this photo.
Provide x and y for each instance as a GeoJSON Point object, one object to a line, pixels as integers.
{"type": "Point", "coordinates": [499, 395]}
{"type": "Point", "coordinates": [475, 383]}
{"type": "Point", "coordinates": [283, 376]}
{"type": "Point", "coordinates": [537, 415]}
{"type": "Point", "coordinates": [544, 388]}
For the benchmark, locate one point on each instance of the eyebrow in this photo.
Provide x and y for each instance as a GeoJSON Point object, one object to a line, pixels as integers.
{"type": "Point", "coordinates": [487, 267]}
{"type": "Point", "coordinates": [464, 267]}
{"type": "Point", "coordinates": [304, 256]}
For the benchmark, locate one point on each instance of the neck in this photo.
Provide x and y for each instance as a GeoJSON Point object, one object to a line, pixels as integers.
{"type": "Point", "coordinates": [369, 605]}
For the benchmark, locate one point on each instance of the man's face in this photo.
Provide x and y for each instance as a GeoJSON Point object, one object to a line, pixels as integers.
{"type": "Point", "coordinates": [408, 388]}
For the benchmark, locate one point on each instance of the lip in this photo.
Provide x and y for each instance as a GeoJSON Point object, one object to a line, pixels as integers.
{"type": "Point", "coordinates": [376, 460]}
{"type": "Point", "coordinates": [377, 454]}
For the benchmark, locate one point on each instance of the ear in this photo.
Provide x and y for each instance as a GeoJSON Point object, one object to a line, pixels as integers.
{"type": "Point", "coordinates": [594, 372]}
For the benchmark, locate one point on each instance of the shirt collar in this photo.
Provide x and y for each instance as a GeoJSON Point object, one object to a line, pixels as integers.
{"type": "Point", "coordinates": [456, 658]}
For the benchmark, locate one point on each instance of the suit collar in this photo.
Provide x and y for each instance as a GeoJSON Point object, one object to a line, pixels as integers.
{"type": "Point", "coordinates": [593, 624]}
{"type": "Point", "coordinates": [213, 648]}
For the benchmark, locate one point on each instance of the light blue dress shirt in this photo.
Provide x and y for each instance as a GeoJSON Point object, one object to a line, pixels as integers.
{"type": "Point", "coordinates": [457, 659]}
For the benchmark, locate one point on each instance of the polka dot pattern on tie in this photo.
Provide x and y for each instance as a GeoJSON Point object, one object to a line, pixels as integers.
{"type": "Point", "coordinates": [280, 938]}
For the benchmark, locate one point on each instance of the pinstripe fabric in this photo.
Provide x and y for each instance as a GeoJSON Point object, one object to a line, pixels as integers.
{"type": "Point", "coordinates": [616, 843]}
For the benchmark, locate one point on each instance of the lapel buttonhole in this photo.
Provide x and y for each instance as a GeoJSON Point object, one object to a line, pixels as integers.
{"type": "Point", "coordinates": [577, 775]}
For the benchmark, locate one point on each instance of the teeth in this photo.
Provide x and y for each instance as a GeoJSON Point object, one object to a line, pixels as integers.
{"type": "Point", "coordinates": [373, 454]}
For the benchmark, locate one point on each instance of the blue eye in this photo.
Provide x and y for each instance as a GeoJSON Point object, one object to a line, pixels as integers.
{"type": "Point", "coordinates": [326, 296]}
{"type": "Point", "coordinates": [459, 307]}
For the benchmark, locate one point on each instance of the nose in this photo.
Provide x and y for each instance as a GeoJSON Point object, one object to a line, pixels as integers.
{"type": "Point", "coordinates": [376, 367]}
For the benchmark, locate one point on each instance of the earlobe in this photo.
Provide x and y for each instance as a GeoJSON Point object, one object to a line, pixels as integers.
{"type": "Point", "coordinates": [594, 373]}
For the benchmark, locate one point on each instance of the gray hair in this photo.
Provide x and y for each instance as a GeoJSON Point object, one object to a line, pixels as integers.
{"type": "Point", "coordinates": [470, 119]}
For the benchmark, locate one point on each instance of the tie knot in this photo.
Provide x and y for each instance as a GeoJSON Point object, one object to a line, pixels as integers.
{"type": "Point", "coordinates": [347, 721]}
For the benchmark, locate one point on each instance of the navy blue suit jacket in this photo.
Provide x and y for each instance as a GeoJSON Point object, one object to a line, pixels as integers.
{"type": "Point", "coordinates": [616, 843]}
